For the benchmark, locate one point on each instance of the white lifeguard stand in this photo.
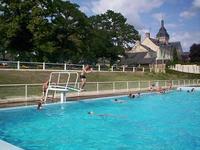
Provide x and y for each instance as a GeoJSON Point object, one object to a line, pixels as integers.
{"type": "Point", "coordinates": [60, 81]}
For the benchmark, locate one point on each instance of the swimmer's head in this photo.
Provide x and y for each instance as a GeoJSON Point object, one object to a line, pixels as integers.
{"type": "Point", "coordinates": [90, 112]}
{"type": "Point", "coordinates": [116, 100]}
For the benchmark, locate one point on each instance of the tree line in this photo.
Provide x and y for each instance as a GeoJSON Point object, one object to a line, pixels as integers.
{"type": "Point", "coordinates": [57, 31]}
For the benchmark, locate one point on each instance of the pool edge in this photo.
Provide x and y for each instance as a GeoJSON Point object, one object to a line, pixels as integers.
{"type": "Point", "coordinates": [5, 145]}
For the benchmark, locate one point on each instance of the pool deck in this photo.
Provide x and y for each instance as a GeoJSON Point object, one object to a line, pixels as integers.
{"type": "Point", "coordinates": [7, 146]}
{"type": "Point", "coordinates": [73, 96]}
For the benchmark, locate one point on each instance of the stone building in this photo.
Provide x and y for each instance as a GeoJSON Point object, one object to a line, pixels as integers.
{"type": "Point", "coordinates": [153, 50]}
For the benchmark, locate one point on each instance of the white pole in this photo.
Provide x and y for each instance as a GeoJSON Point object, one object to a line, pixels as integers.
{"type": "Point", "coordinates": [127, 87]}
{"type": "Point", "coordinates": [65, 66]}
{"type": "Point", "coordinates": [99, 68]}
{"type": "Point", "coordinates": [97, 87]}
{"type": "Point", "coordinates": [133, 69]}
{"type": "Point", "coordinates": [123, 68]}
{"type": "Point", "coordinates": [139, 85]}
{"type": "Point", "coordinates": [43, 66]}
{"type": "Point", "coordinates": [26, 92]}
{"type": "Point", "coordinates": [18, 65]}
{"type": "Point", "coordinates": [113, 86]}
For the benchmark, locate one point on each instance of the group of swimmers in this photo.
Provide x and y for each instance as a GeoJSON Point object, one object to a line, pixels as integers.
{"type": "Point", "coordinates": [134, 95]}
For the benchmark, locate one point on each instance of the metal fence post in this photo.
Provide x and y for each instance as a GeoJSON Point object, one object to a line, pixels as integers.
{"type": "Point", "coordinates": [18, 65]}
{"type": "Point", "coordinates": [139, 85]}
{"type": "Point", "coordinates": [26, 91]}
{"type": "Point", "coordinates": [99, 68]}
{"type": "Point", "coordinates": [133, 69]}
{"type": "Point", "coordinates": [112, 68]}
{"type": "Point", "coordinates": [97, 87]}
{"type": "Point", "coordinates": [65, 66]}
{"type": "Point", "coordinates": [123, 68]}
{"type": "Point", "coordinates": [113, 86]}
{"type": "Point", "coordinates": [149, 84]}
{"type": "Point", "coordinates": [43, 66]}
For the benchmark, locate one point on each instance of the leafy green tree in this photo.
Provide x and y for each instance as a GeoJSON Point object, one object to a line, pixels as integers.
{"type": "Point", "coordinates": [195, 53]}
{"type": "Point", "coordinates": [15, 16]}
{"type": "Point", "coordinates": [44, 29]}
{"type": "Point", "coordinates": [119, 34]}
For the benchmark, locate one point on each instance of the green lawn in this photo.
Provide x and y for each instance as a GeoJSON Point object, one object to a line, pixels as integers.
{"type": "Point", "coordinates": [28, 77]}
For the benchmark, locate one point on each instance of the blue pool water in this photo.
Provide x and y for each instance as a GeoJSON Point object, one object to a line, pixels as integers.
{"type": "Point", "coordinates": [168, 121]}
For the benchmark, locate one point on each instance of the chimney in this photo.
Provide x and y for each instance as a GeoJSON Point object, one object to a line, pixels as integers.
{"type": "Point", "coordinates": [147, 35]}
{"type": "Point", "coordinates": [137, 42]}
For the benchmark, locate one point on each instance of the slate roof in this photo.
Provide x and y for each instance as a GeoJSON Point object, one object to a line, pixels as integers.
{"type": "Point", "coordinates": [139, 58]}
{"type": "Point", "coordinates": [162, 32]}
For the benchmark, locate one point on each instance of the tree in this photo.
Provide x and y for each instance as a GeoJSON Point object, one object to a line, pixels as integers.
{"type": "Point", "coordinates": [15, 16]}
{"type": "Point", "coordinates": [195, 53]}
{"type": "Point", "coordinates": [67, 30]}
{"type": "Point", "coordinates": [42, 28]}
{"type": "Point", "coordinates": [119, 34]}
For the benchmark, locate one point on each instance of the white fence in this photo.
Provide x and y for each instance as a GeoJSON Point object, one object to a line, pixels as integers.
{"type": "Point", "coordinates": [186, 68]}
{"type": "Point", "coordinates": [30, 92]}
{"type": "Point", "coordinates": [17, 65]}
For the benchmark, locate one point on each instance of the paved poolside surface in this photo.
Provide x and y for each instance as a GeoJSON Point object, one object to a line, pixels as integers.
{"type": "Point", "coordinates": [72, 96]}
{"type": "Point", "coordinates": [7, 146]}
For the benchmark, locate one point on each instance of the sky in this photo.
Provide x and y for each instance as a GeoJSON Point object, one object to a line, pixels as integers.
{"type": "Point", "coordinates": [181, 17]}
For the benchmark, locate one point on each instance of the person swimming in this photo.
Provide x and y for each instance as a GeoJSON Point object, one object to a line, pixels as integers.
{"type": "Point", "coordinates": [104, 115]}
{"type": "Point", "coordinates": [119, 101]}
{"type": "Point", "coordinates": [134, 95]}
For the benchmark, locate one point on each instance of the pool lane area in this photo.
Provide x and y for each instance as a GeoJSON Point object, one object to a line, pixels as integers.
{"type": "Point", "coordinates": [150, 121]}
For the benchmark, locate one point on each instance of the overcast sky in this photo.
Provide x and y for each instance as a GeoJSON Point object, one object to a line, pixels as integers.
{"type": "Point", "coordinates": [182, 17]}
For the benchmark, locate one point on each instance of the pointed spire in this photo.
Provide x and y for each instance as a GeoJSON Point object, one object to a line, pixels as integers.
{"type": "Point", "coordinates": [162, 23]}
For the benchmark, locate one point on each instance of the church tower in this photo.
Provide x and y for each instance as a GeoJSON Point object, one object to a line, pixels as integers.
{"type": "Point", "coordinates": [162, 35]}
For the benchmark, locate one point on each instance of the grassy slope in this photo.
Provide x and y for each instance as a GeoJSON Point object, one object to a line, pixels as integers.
{"type": "Point", "coordinates": [11, 77]}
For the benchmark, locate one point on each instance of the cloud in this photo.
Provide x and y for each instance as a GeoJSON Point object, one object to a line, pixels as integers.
{"type": "Point", "coordinates": [131, 9]}
{"type": "Point", "coordinates": [171, 25]}
{"type": "Point", "coordinates": [196, 3]}
{"type": "Point", "coordinates": [158, 16]}
{"type": "Point", "coordinates": [192, 11]}
{"type": "Point", "coordinates": [186, 38]}
{"type": "Point", "coordinates": [187, 14]}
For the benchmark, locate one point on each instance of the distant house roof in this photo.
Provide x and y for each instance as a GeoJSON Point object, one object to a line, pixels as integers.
{"type": "Point", "coordinates": [155, 41]}
{"type": "Point", "coordinates": [139, 58]}
{"type": "Point", "coordinates": [162, 32]}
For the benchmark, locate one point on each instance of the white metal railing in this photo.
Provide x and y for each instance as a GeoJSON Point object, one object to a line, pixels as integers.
{"type": "Point", "coordinates": [18, 65]}
{"type": "Point", "coordinates": [34, 91]}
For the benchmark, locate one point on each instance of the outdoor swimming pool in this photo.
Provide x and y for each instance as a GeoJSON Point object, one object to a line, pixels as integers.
{"type": "Point", "coordinates": [152, 121]}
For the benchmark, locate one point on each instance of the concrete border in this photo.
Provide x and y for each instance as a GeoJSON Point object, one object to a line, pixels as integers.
{"type": "Point", "coordinates": [7, 146]}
